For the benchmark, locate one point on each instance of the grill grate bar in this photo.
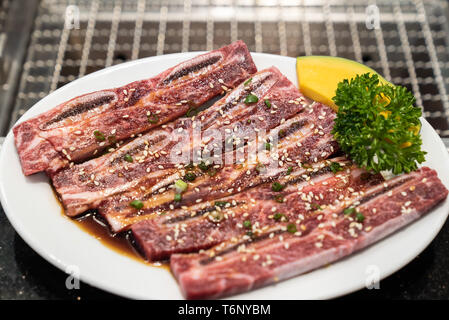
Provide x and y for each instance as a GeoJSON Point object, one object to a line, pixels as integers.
{"type": "Point", "coordinates": [138, 29]}
{"type": "Point", "coordinates": [186, 25]}
{"type": "Point", "coordinates": [329, 29]}
{"type": "Point", "coordinates": [407, 53]}
{"type": "Point", "coordinates": [354, 35]}
{"type": "Point", "coordinates": [209, 30]}
{"type": "Point", "coordinates": [234, 23]}
{"type": "Point", "coordinates": [382, 53]}
{"type": "Point", "coordinates": [114, 30]}
{"type": "Point", "coordinates": [283, 48]}
{"type": "Point", "coordinates": [88, 39]}
{"type": "Point", "coordinates": [258, 31]}
{"type": "Point", "coordinates": [306, 31]}
{"type": "Point", "coordinates": [162, 29]}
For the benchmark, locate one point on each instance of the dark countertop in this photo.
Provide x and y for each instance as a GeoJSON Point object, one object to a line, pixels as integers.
{"type": "Point", "coordinates": [25, 275]}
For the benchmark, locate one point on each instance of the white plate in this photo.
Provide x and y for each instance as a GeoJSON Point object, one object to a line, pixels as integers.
{"type": "Point", "coordinates": [35, 214]}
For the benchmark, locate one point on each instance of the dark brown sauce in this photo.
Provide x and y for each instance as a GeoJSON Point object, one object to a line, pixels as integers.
{"type": "Point", "coordinates": [116, 242]}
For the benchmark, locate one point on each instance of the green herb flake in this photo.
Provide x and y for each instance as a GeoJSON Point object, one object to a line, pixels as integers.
{"type": "Point", "coordinates": [112, 139]}
{"type": "Point", "coordinates": [189, 166]}
{"type": "Point", "coordinates": [276, 187]}
{"type": "Point", "coordinates": [136, 204]}
{"type": "Point", "coordinates": [336, 167]}
{"type": "Point", "coordinates": [267, 146]}
{"type": "Point", "coordinates": [315, 206]}
{"type": "Point", "coordinates": [279, 199]}
{"type": "Point", "coordinates": [190, 176]}
{"type": "Point", "coordinates": [203, 166]}
{"type": "Point", "coordinates": [280, 217]}
{"type": "Point", "coordinates": [282, 133]}
{"type": "Point", "coordinates": [349, 211]}
{"type": "Point", "coordinates": [251, 98]}
{"type": "Point", "coordinates": [128, 158]}
{"type": "Point", "coordinates": [212, 172]}
{"type": "Point", "coordinates": [247, 224]}
{"type": "Point", "coordinates": [247, 82]}
{"type": "Point", "coordinates": [377, 125]}
{"type": "Point", "coordinates": [99, 135]}
{"type": "Point", "coordinates": [291, 227]}
{"type": "Point", "coordinates": [220, 204]}
{"type": "Point", "coordinates": [289, 170]}
{"type": "Point", "coordinates": [177, 197]}
{"type": "Point", "coordinates": [359, 217]}
{"type": "Point", "coordinates": [267, 103]}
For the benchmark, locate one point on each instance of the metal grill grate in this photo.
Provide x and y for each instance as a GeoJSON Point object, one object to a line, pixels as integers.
{"type": "Point", "coordinates": [408, 48]}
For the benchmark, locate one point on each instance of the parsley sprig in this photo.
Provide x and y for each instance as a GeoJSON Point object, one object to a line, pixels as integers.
{"type": "Point", "coordinates": [376, 124]}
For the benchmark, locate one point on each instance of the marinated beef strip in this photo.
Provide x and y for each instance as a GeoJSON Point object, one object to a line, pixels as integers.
{"type": "Point", "coordinates": [147, 163]}
{"type": "Point", "coordinates": [282, 251]}
{"type": "Point", "coordinates": [80, 128]}
{"type": "Point", "coordinates": [201, 226]}
{"type": "Point", "coordinates": [304, 138]}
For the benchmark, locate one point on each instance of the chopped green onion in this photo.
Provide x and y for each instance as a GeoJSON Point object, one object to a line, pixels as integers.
{"type": "Point", "coordinates": [189, 166]}
{"type": "Point", "coordinates": [128, 158]}
{"type": "Point", "coordinates": [99, 135]}
{"type": "Point", "coordinates": [279, 199]}
{"type": "Point", "coordinates": [282, 133]}
{"type": "Point", "coordinates": [247, 82]}
{"type": "Point", "coordinates": [190, 176]}
{"type": "Point", "coordinates": [247, 224]}
{"type": "Point", "coordinates": [212, 172]}
{"type": "Point", "coordinates": [153, 119]}
{"type": "Point", "coordinates": [267, 103]}
{"type": "Point", "coordinates": [335, 167]}
{"type": "Point", "coordinates": [220, 204]}
{"type": "Point", "coordinates": [248, 121]}
{"type": "Point", "coordinates": [289, 170]}
{"type": "Point", "coordinates": [251, 99]}
{"type": "Point", "coordinates": [280, 217]}
{"type": "Point", "coordinates": [267, 146]}
{"type": "Point", "coordinates": [204, 167]}
{"type": "Point", "coordinates": [276, 187]}
{"type": "Point", "coordinates": [180, 185]}
{"type": "Point", "coordinates": [349, 211]}
{"type": "Point", "coordinates": [177, 197]}
{"type": "Point", "coordinates": [315, 206]}
{"type": "Point", "coordinates": [136, 204]}
{"type": "Point", "coordinates": [359, 217]}
{"type": "Point", "coordinates": [291, 227]}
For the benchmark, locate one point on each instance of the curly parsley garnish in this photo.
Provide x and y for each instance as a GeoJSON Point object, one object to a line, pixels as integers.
{"type": "Point", "coordinates": [377, 125]}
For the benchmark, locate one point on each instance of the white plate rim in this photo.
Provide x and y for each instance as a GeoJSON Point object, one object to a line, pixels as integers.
{"type": "Point", "coordinates": [260, 293]}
